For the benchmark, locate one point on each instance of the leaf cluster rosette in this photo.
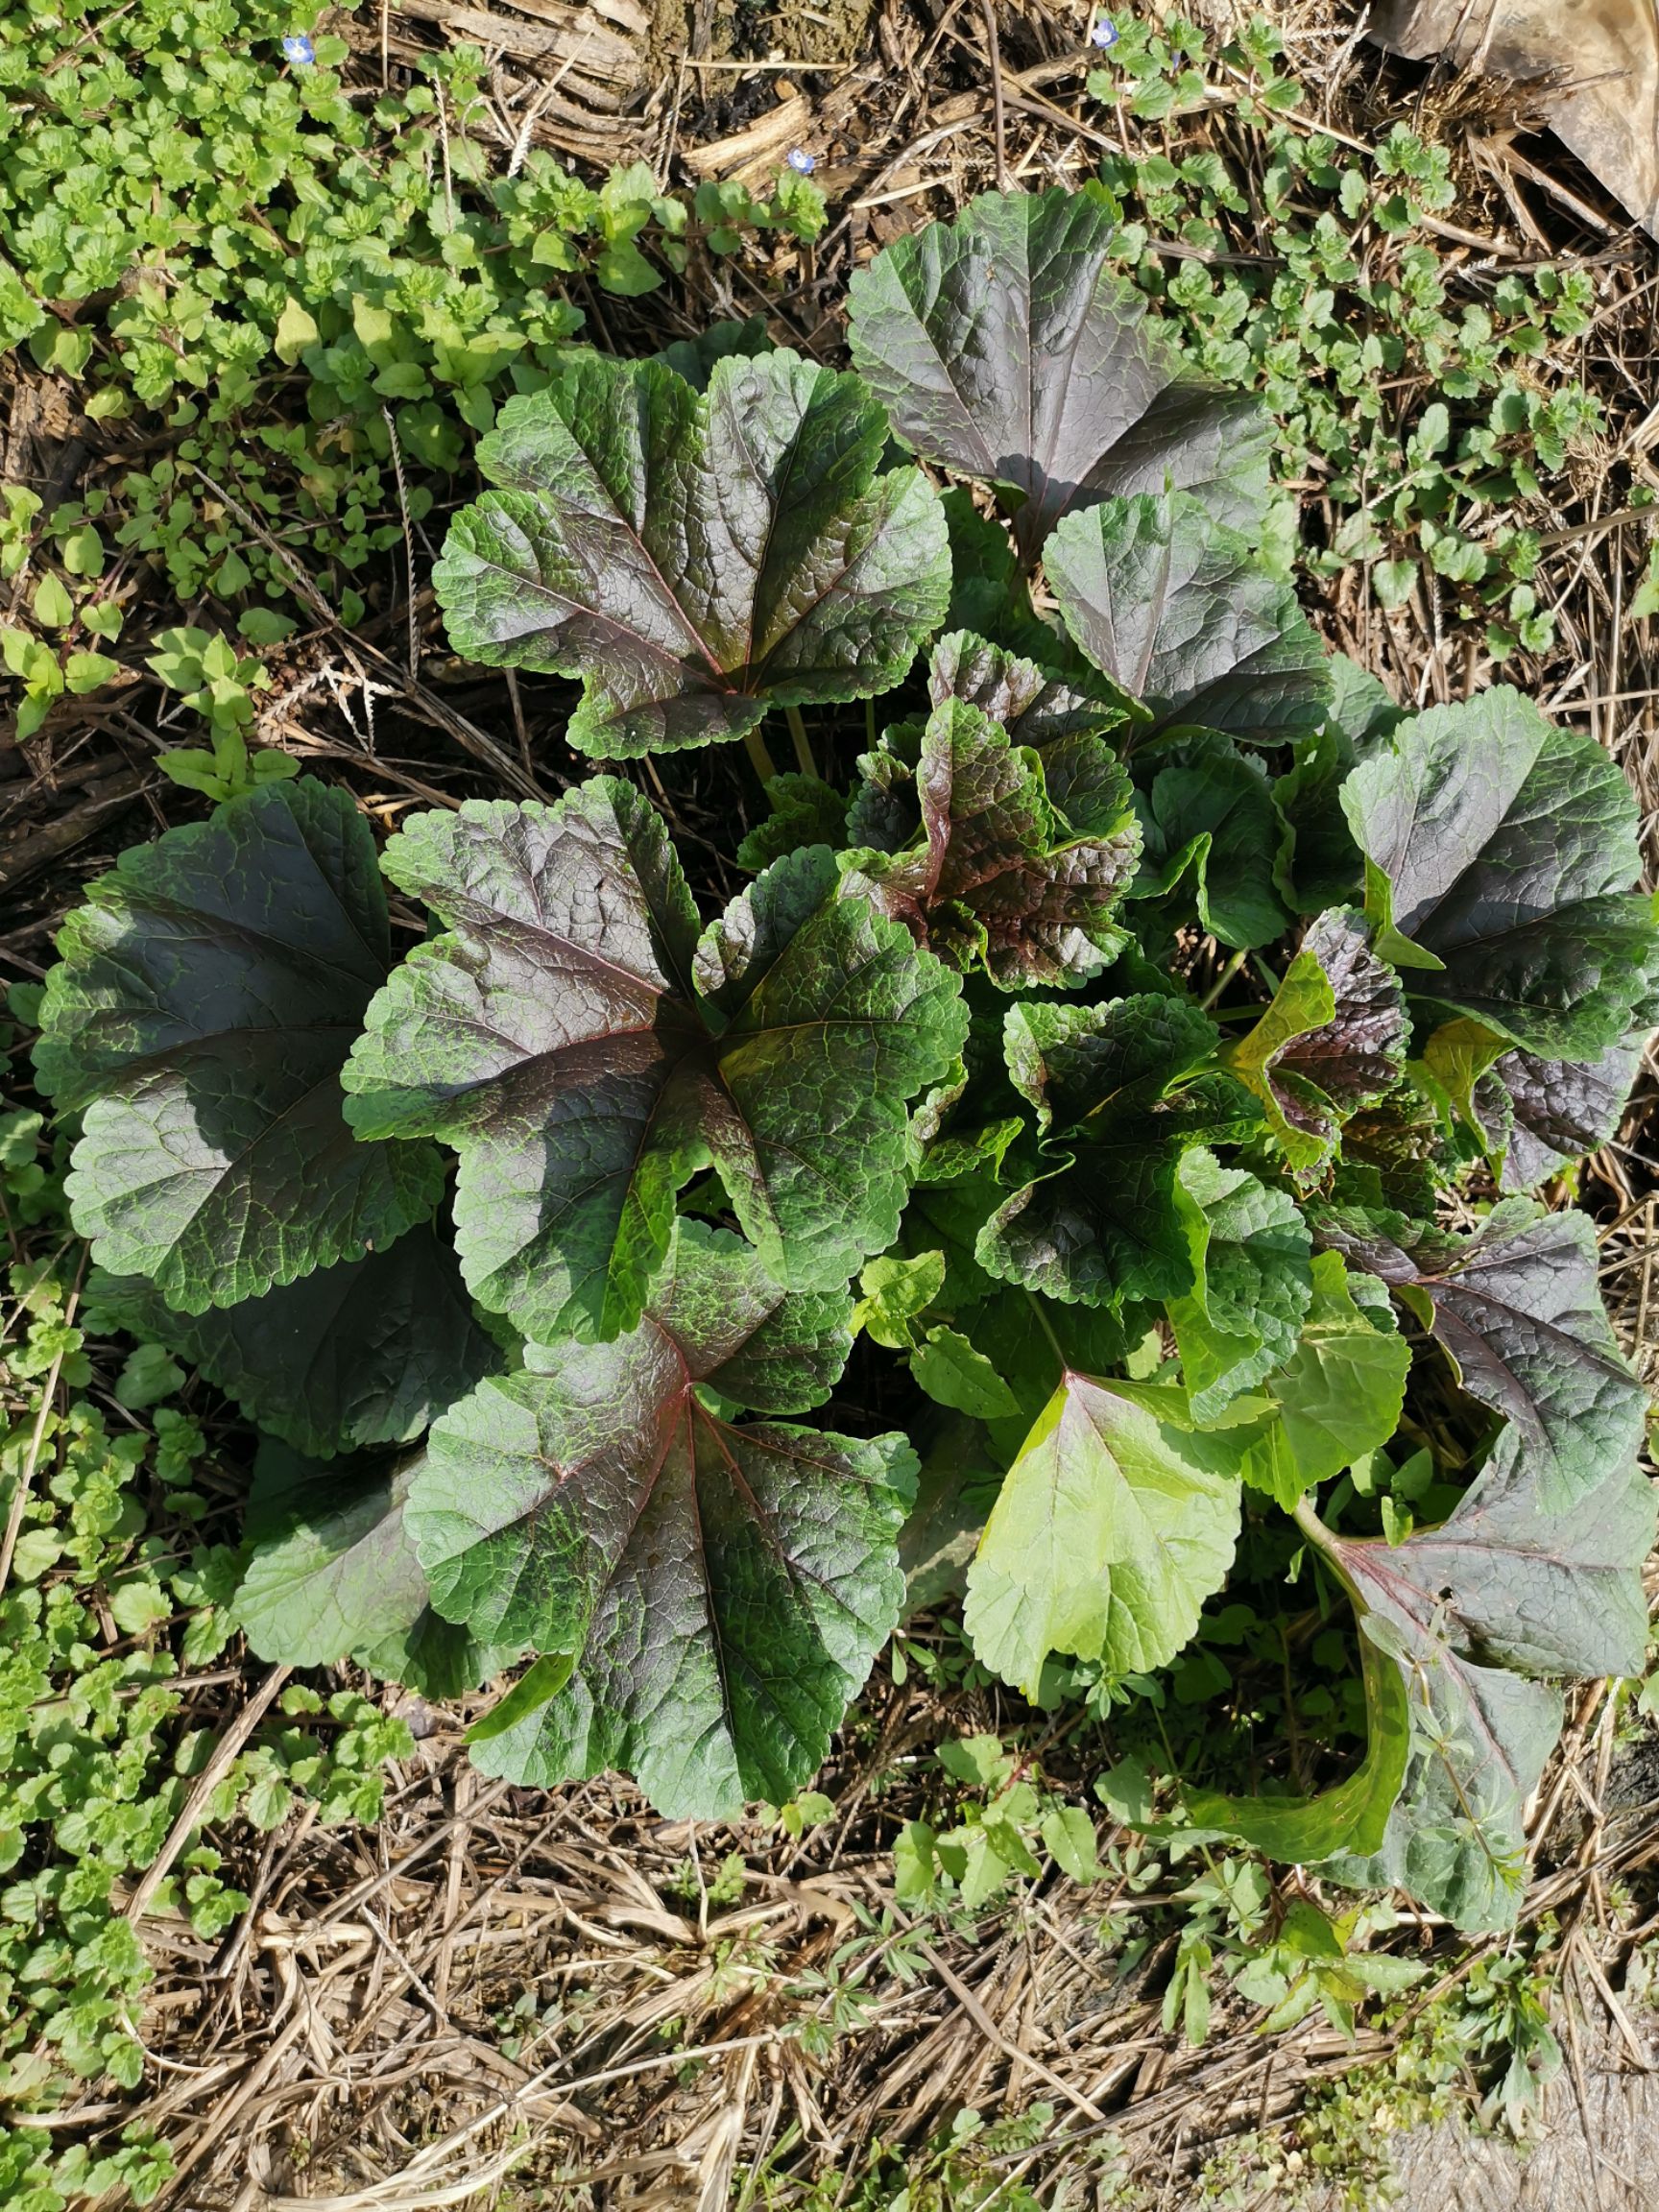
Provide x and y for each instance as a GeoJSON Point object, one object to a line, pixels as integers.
{"type": "Point", "coordinates": [1107, 1035]}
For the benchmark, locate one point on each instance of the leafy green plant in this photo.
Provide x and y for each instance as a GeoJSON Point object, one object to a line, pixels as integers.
{"type": "Point", "coordinates": [1131, 1028]}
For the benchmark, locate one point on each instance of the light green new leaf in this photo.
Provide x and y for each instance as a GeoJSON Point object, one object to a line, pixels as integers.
{"type": "Point", "coordinates": [1337, 1397]}
{"type": "Point", "coordinates": [1109, 1533]}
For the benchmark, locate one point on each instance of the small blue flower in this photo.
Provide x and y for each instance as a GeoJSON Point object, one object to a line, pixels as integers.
{"type": "Point", "coordinates": [800, 161]}
{"type": "Point", "coordinates": [299, 49]}
{"type": "Point", "coordinates": [1103, 32]}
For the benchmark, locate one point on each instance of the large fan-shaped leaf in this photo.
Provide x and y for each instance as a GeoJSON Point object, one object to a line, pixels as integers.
{"type": "Point", "coordinates": [721, 1589]}
{"type": "Point", "coordinates": [1109, 1532]}
{"type": "Point", "coordinates": [1500, 853]}
{"type": "Point", "coordinates": [205, 998]}
{"type": "Point", "coordinates": [1002, 345]}
{"type": "Point", "coordinates": [560, 1039]}
{"type": "Point", "coordinates": [365, 1352]}
{"type": "Point", "coordinates": [1121, 1090]}
{"type": "Point", "coordinates": [1333, 1040]}
{"type": "Point", "coordinates": [695, 558]}
{"type": "Point", "coordinates": [1183, 618]}
{"type": "Point", "coordinates": [1000, 877]}
{"type": "Point", "coordinates": [333, 1576]}
{"type": "Point", "coordinates": [1508, 1589]}
{"type": "Point", "coordinates": [1519, 1308]}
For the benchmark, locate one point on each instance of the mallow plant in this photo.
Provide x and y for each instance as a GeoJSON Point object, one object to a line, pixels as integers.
{"type": "Point", "coordinates": [1153, 1041]}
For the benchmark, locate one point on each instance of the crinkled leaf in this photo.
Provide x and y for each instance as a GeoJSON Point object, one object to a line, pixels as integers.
{"type": "Point", "coordinates": [559, 1038]}
{"type": "Point", "coordinates": [1333, 1040]}
{"type": "Point", "coordinates": [1109, 1532]}
{"type": "Point", "coordinates": [205, 998]}
{"type": "Point", "coordinates": [1252, 1281]}
{"type": "Point", "coordinates": [365, 1352]}
{"type": "Point", "coordinates": [1338, 1396]}
{"type": "Point", "coordinates": [1000, 879]}
{"type": "Point", "coordinates": [1507, 1583]}
{"type": "Point", "coordinates": [694, 358]}
{"type": "Point", "coordinates": [1500, 853]}
{"type": "Point", "coordinates": [1037, 706]}
{"type": "Point", "coordinates": [1002, 345]}
{"type": "Point", "coordinates": [1207, 811]}
{"type": "Point", "coordinates": [723, 1589]}
{"type": "Point", "coordinates": [694, 558]}
{"type": "Point", "coordinates": [1539, 1115]}
{"type": "Point", "coordinates": [333, 1576]}
{"type": "Point", "coordinates": [1183, 616]}
{"type": "Point", "coordinates": [1517, 1306]}
{"type": "Point", "coordinates": [1121, 1090]}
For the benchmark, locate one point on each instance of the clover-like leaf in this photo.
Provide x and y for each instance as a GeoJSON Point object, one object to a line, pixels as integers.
{"type": "Point", "coordinates": [694, 558]}
{"type": "Point", "coordinates": [365, 1352]}
{"type": "Point", "coordinates": [1252, 1281]}
{"type": "Point", "coordinates": [1518, 1307]}
{"type": "Point", "coordinates": [721, 1588]}
{"type": "Point", "coordinates": [1109, 1532]}
{"type": "Point", "coordinates": [1508, 1589]}
{"type": "Point", "coordinates": [1002, 345]}
{"type": "Point", "coordinates": [333, 1576]}
{"type": "Point", "coordinates": [1000, 878]}
{"type": "Point", "coordinates": [1333, 1040]}
{"type": "Point", "coordinates": [1208, 814]}
{"type": "Point", "coordinates": [204, 1000]}
{"type": "Point", "coordinates": [585, 1054]}
{"type": "Point", "coordinates": [1501, 852]}
{"type": "Point", "coordinates": [1183, 616]}
{"type": "Point", "coordinates": [1121, 1090]}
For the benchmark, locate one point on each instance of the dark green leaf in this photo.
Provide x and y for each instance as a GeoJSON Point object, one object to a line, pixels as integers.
{"type": "Point", "coordinates": [333, 1576]}
{"type": "Point", "coordinates": [1507, 1583]}
{"type": "Point", "coordinates": [1121, 1090]}
{"type": "Point", "coordinates": [365, 1352]}
{"type": "Point", "coordinates": [695, 558]}
{"type": "Point", "coordinates": [722, 1589]}
{"type": "Point", "coordinates": [1207, 811]}
{"type": "Point", "coordinates": [1519, 1308]}
{"type": "Point", "coordinates": [1003, 346]}
{"type": "Point", "coordinates": [559, 1040]}
{"type": "Point", "coordinates": [806, 811]}
{"type": "Point", "coordinates": [1000, 879]}
{"type": "Point", "coordinates": [1183, 616]}
{"type": "Point", "coordinates": [1502, 851]}
{"type": "Point", "coordinates": [205, 1000]}
{"type": "Point", "coordinates": [1333, 1040]}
